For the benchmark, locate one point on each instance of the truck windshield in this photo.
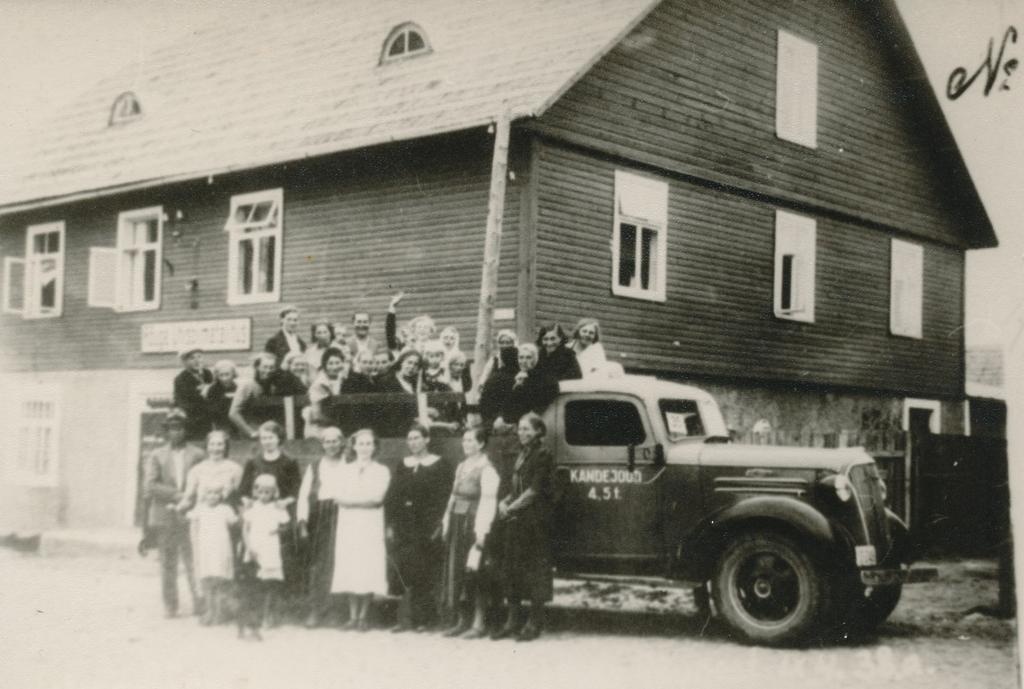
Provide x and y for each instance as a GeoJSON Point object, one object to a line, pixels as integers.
{"type": "Point", "coordinates": [682, 419]}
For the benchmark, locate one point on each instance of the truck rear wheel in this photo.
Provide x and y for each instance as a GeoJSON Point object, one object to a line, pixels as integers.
{"type": "Point", "coordinates": [769, 590]}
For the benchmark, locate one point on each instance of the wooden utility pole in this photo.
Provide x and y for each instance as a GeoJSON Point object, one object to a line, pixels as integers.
{"type": "Point", "coordinates": [492, 246]}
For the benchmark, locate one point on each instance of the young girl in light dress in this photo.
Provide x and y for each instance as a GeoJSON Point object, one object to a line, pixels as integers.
{"type": "Point", "coordinates": [261, 533]}
{"type": "Point", "coordinates": [211, 521]}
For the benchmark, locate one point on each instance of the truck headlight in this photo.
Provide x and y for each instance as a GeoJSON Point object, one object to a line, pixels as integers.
{"type": "Point", "coordinates": [844, 489]}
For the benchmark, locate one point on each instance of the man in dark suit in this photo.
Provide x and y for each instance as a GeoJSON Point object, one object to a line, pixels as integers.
{"type": "Point", "coordinates": [190, 388]}
{"type": "Point", "coordinates": [163, 484]}
{"type": "Point", "coordinates": [287, 338]}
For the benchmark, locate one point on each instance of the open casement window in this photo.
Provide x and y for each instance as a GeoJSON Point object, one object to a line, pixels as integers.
{"type": "Point", "coordinates": [254, 254]}
{"type": "Point", "coordinates": [794, 266]}
{"type": "Point", "coordinates": [639, 237]}
{"type": "Point", "coordinates": [127, 278]}
{"type": "Point", "coordinates": [32, 454]}
{"type": "Point", "coordinates": [906, 289]}
{"type": "Point", "coordinates": [34, 285]}
{"type": "Point", "coordinates": [796, 90]}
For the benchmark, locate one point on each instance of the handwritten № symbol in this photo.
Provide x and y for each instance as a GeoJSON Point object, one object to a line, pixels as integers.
{"type": "Point", "coordinates": [959, 82]}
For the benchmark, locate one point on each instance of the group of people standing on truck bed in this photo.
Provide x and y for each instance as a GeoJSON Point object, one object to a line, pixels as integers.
{"type": "Point", "coordinates": [336, 368]}
{"type": "Point", "coordinates": [452, 540]}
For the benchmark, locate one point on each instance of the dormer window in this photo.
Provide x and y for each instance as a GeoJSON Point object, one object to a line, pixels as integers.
{"type": "Point", "coordinates": [405, 40]}
{"type": "Point", "coordinates": [126, 108]}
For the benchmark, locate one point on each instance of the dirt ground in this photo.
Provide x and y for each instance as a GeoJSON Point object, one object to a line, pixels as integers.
{"type": "Point", "coordinates": [92, 622]}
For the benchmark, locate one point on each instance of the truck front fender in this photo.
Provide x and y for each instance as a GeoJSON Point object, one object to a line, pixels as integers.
{"type": "Point", "coordinates": [697, 557]}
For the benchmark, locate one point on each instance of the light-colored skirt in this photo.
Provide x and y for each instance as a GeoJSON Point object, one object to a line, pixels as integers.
{"type": "Point", "coordinates": [360, 558]}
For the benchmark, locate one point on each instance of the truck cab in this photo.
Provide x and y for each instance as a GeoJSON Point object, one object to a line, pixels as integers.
{"type": "Point", "coordinates": [779, 542]}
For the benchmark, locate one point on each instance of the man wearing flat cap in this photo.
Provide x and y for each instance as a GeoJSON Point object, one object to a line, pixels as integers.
{"type": "Point", "coordinates": [190, 387]}
{"type": "Point", "coordinates": [163, 484]}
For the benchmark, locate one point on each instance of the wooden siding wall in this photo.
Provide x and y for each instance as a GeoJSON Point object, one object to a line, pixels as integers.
{"type": "Point", "coordinates": [358, 228]}
{"type": "Point", "coordinates": [692, 89]}
{"type": "Point", "coordinates": [718, 319]}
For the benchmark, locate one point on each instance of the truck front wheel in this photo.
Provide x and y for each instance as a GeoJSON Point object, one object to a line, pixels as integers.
{"type": "Point", "coordinates": [769, 590]}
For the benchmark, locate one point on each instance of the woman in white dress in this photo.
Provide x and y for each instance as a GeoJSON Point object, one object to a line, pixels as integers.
{"type": "Point", "coordinates": [360, 558]}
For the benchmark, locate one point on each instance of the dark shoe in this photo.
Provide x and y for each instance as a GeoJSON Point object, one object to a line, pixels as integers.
{"type": "Point", "coordinates": [528, 633]}
{"type": "Point", "coordinates": [400, 628]}
{"type": "Point", "coordinates": [349, 625]}
{"type": "Point", "coordinates": [506, 632]}
{"type": "Point", "coordinates": [475, 633]}
{"type": "Point", "coordinates": [313, 620]}
{"type": "Point", "coordinates": [363, 626]}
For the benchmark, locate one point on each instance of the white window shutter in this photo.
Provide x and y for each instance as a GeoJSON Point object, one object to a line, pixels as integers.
{"type": "Point", "coordinates": [796, 90]}
{"type": "Point", "coordinates": [14, 285]}
{"type": "Point", "coordinates": [103, 282]}
{"type": "Point", "coordinates": [907, 289]}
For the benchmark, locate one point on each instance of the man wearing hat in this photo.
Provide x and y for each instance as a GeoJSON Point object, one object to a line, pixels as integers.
{"type": "Point", "coordinates": [190, 387]}
{"type": "Point", "coordinates": [163, 484]}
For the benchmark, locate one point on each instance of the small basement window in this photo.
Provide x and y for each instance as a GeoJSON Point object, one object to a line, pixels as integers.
{"type": "Point", "coordinates": [126, 108]}
{"type": "Point", "coordinates": [405, 40]}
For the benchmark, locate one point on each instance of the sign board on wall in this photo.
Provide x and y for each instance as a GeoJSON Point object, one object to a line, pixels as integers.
{"type": "Point", "coordinates": [232, 334]}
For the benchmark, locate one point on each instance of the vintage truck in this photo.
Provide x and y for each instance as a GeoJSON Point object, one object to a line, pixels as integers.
{"type": "Point", "coordinates": [782, 544]}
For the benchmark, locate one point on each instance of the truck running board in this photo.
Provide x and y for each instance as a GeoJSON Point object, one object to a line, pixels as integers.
{"type": "Point", "coordinates": [625, 579]}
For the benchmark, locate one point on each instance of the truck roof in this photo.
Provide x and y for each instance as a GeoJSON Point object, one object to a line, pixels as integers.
{"type": "Point", "coordinates": [641, 386]}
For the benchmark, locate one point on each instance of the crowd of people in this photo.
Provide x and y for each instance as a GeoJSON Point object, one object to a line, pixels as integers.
{"type": "Point", "coordinates": [263, 540]}
{"type": "Point", "coordinates": [337, 368]}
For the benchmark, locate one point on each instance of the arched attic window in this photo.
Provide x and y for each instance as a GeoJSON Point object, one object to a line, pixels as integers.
{"type": "Point", "coordinates": [405, 40]}
{"type": "Point", "coordinates": [125, 109]}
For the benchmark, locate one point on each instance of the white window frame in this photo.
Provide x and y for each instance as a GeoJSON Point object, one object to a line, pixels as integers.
{"type": "Point", "coordinates": [906, 289]}
{"type": "Point", "coordinates": [238, 232]}
{"type": "Point", "coordinates": [396, 34]}
{"type": "Point", "coordinates": [796, 90]}
{"type": "Point", "coordinates": [32, 307]}
{"type": "Point", "coordinates": [25, 429]}
{"type": "Point", "coordinates": [654, 217]}
{"type": "Point", "coordinates": [796, 236]}
{"type": "Point", "coordinates": [130, 275]}
{"type": "Point", "coordinates": [935, 406]}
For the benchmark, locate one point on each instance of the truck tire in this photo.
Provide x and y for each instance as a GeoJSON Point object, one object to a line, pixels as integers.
{"type": "Point", "coordinates": [769, 590]}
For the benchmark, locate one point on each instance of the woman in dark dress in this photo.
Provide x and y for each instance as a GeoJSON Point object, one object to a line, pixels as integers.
{"type": "Point", "coordinates": [556, 359]}
{"type": "Point", "coordinates": [467, 545]}
{"type": "Point", "coordinates": [525, 513]}
{"type": "Point", "coordinates": [221, 394]}
{"type": "Point", "coordinates": [532, 391]}
{"type": "Point", "coordinates": [402, 381]}
{"type": "Point", "coordinates": [415, 505]}
{"type": "Point", "coordinates": [271, 460]}
{"type": "Point", "coordinates": [498, 386]}
{"type": "Point", "coordinates": [317, 516]}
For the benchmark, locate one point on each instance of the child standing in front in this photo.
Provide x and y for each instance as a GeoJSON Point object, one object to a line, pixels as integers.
{"type": "Point", "coordinates": [211, 521]}
{"type": "Point", "coordinates": [263, 522]}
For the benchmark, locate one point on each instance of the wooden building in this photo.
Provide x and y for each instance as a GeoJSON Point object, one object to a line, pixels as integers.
{"type": "Point", "coordinates": [759, 197]}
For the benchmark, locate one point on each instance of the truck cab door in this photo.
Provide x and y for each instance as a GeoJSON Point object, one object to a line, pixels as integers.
{"type": "Point", "coordinates": [609, 486]}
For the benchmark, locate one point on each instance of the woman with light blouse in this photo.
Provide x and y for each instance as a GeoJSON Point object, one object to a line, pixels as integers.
{"type": "Point", "coordinates": [466, 526]}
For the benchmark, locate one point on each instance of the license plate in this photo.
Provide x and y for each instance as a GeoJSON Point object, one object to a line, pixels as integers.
{"type": "Point", "coordinates": [880, 577]}
{"type": "Point", "coordinates": [866, 556]}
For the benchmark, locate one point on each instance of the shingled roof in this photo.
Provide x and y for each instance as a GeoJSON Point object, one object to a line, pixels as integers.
{"type": "Point", "coordinates": [304, 78]}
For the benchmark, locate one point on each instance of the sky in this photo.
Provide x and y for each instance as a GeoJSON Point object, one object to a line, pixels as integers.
{"type": "Point", "coordinates": [50, 49]}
